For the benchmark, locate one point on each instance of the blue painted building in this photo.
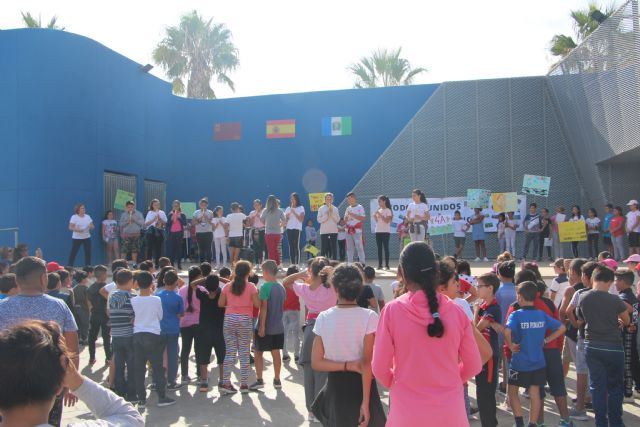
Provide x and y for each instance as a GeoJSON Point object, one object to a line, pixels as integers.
{"type": "Point", "coordinates": [73, 110]}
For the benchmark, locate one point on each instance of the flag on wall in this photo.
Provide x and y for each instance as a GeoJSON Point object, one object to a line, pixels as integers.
{"type": "Point", "coordinates": [281, 129]}
{"type": "Point", "coordinates": [230, 131]}
{"type": "Point", "coordinates": [336, 126]}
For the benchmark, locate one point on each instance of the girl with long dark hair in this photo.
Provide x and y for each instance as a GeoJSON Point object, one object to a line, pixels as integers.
{"type": "Point", "coordinates": [239, 298]}
{"type": "Point", "coordinates": [190, 321]}
{"type": "Point", "coordinates": [202, 221]}
{"type": "Point", "coordinates": [177, 223]}
{"type": "Point", "coordinates": [382, 218]}
{"type": "Point", "coordinates": [154, 224]}
{"type": "Point", "coordinates": [418, 216]}
{"type": "Point", "coordinates": [424, 328]}
{"type": "Point", "coordinates": [211, 336]}
{"type": "Point", "coordinates": [220, 236]}
{"type": "Point", "coordinates": [294, 216]}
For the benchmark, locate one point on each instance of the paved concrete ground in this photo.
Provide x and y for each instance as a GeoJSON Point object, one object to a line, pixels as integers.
{"type": "Point", "coordinates": [285, 407]}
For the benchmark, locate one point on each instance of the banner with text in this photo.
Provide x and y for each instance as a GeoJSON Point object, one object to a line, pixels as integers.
{"type": "Point", "coordinates": [573, 231]}
{"type": "Point", "coordinates": [442, 210]}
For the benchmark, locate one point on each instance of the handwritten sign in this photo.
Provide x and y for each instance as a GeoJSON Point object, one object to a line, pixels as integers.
{"type": "Point", "coordinates": [573, 231]}
{"type": "Point", "coordinates": [536, 185]}
{"type": "Point", "coordinates": [316, 200]}
{"type": "Point", "coordinates": [477, 198]}
{"type": "Point", "coordinates": [504, 202]}
{"type": "Point", "coordinates": [122, 197]}
{"type": "Point", "coordinates": [188, 209]}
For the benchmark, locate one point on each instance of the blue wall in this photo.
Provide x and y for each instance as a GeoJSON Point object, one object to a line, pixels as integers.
{"type": "Point", "coordinates": [71, 109]}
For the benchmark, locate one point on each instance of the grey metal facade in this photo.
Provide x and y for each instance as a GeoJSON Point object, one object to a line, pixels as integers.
{"type": "Point", "coordinates": [114, 182]}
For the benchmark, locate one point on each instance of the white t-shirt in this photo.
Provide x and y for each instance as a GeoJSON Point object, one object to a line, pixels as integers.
{"type": "Point", "coordinates": [459, 227]}
{"type": "Point", "coordinates": [381, 225]}
{"type": "Point", "coordinates": [82, 224]}
{"type": "Point", "coordinates": [377, 291]}
{"type": "Point", "coordinates": [235, 223]}
{"type": "Point", "coordinates": [510, 232]}
{"type": "Point", "coordinates": [219, 231]}
{"type": "Point", "coordinates": [558, 288]}
{"type": "Point", "coordinates": [153, 215]}
{"type": "Point", "coordinates": [343, 331]}
{"type": "Point", "coordinates": [293, 223]}
{"type": "Point", "coordinates": [355, 210]}
{"type": "Point", "coordinates": [631, 219]}
{"type": "Point", "coordinates": [148, 311]}
{"type": "Point", "coordinates": [414, 209]}
{"type": "Point", "coordinates": [465, 306]}
{"type": "Point", "coordinates": [593, 222]}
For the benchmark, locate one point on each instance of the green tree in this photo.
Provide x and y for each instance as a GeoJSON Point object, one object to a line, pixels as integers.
{"type": "Point", "coordinates": [583, 25]}
{"type": "Point", "coordinates": [194, 52]}
{"type": "Point", "coordinates": [30, 21]}
{"type": "Point", "coordinates": [384, 68]}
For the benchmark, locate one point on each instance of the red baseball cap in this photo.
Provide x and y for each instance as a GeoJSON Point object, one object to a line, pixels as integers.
{"type": "Point", "coordinates": [611, 263]}
{"type": "Point", "coordinates": [53, 267]}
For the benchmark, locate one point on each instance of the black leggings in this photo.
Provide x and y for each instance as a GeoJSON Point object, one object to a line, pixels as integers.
{"type": "Point", "coordinates": [99, 324]}
{"type": "Point", "coordinates": [329, 245]}
{"type": "Point", "coordinates": [204, 246]}
{"type": "Point", "coordinates": [175, 244]}
{"type": "Point", "coordinates": [189, 335]}
{"type": "Point", "coordinates": [259, 246]}
{"type": "Point", "coordinates": [574, 249]}
{"type": "Point", "coordinates": [382, 241]}
{"type": "Point", "coordinates": [154, 245]}
{"type": "Point", "coordinates": [592, 242]}
{"type": "Point", "coordinates": [293, 237]}
{"type": "Point", "coordinates": [75, 247]}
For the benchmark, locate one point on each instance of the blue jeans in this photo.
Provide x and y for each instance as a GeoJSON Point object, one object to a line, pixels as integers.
{"type": "Point", "coordinates": [606, 368]}
{"type": "Point", "coordinates": [171, 345]}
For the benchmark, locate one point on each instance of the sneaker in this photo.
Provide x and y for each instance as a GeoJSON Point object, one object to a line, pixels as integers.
{"type": "Point", "coordinates": [277, 384]}
{"type": "Point", "coordinates": [142, 404]}
{"type": "Point", "coordinates": [227, 389]}
{"type": "Point", "coordinates": [579, 415]}
{"type": "Point", "coordinates": [244, 389]}
{"type": "Point", "coordinates": [286, 358]}
{"type": "Point", "coordinates": [257, 385]}
{"type": "Point", "coordinates": [629, 399]}
{"type": "Point", "coordinates": [204, 386]}
{"type": "Point", "coordinates": [165, 401]}
{"type": "Point", "coordinates": [312, 418]}
{"type": "Point", "coordinates": [174, 386]}
{"type": "Point", "coordinates": [185, 379]}
{"type": "Point", "coordinates": [485, 259]}
{"type": "Point", "coordinates": [379, 267]}
{"type": "Point", "coordinates": [477, 259]}
{"type": "Point", "coordinates": [566, 423]}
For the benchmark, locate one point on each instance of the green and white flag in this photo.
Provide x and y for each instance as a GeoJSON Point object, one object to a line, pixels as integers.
{"type": "Point", "coordinates": [336, 126]}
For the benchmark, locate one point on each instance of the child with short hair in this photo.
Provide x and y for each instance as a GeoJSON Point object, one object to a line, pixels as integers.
{"type": "Point", "coordinates": [163, 262]}
{"type": "Point", "coordinates": [291, 320]}
{"type": "Point", "coordinates": [369, 277]}
{"type": "Point", "coordinates": [269, 334]}
{"type": "Point", "coordinates": [82, 306]}
{"type": "Point", "coordinates": [488, 320]}
{"type": "Point", "coordinates": [121, 316]}
{"type": "Point", "coordinates": [525, 336]}
{"type": "Point", "coordinates": [99, 321]}
{"type": "Point", "coordinates": [8, 285]}
{"type": "Point", "coordinates": [342, 240]}
{"type": "Point", "coordinates": [311, 236]}
{"type": "Point", "coordinates": [559, 283]}
{"type": "Point", "coordinates": [172, 311]}
{"type": "Point", "coordinates": [501, 227]}
{"type": "Point", "coordinates": [148, 346]}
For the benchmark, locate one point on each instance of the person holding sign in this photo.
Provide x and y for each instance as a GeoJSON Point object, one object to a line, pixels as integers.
{"type": "Point", "coordinates": [202, 220]}
{"type": "Point", "coordinates": [177, 223]}
{"type": "Point", "coordinates": [154, 223]}
{"type": "Point", "coordinates": [328, 217]}
{"type": "Point", "coordinates": [576, 215]}
{"type": "Point", "coordinates": [353, 216]}
{"type": "Point", "coordinates": [131, 222]}
{"type": "Point", "coordinates": [532, 226]}
{"type": "Point", "coordinates": [382, 217]}
{"type": "Point", "coordinates": [81, 225]}
{"type": "Point", "coordinates": [418, 216]}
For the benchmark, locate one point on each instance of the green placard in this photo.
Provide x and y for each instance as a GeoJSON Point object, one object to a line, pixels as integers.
{"type": "Point", "coordinates": [188, 209]}
{"type": "Point", "coordinates": [122, 197]}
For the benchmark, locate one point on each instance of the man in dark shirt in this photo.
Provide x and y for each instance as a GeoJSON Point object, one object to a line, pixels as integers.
{"type": "Point", "coordinates": [99, 321]}
{"type": "Point", "coordinates": [601, 313]}
{"type": "Point", "coordinates": [624, 285]}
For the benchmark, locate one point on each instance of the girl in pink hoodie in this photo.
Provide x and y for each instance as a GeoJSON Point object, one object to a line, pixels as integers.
{"type": "Point", "coordinates": [425, 348]}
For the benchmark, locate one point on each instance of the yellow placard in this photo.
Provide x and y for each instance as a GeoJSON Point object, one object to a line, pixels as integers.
{"type": "Point", "coordinates": [316, 200]}
{"type": "Point", "coordinates": [573, 231]}
{"type": "Point", "coordinates": [311, 249]}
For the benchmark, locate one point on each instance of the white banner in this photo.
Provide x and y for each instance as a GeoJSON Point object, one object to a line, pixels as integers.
{"type": "Point", "coordinates": [442, 211]}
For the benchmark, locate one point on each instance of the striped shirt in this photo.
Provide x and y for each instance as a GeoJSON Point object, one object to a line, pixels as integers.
{"type": "Point", "coordinates": [121, 314]}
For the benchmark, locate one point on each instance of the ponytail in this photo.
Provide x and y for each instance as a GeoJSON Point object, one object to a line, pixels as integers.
{"type": "Point", "coordinates": [419, 266]}
{"type": "Point", "coordinates": [194, 273]}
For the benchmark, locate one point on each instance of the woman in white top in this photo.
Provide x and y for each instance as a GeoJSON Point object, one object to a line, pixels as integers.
{"type": "Point", "coordinates": [257, 232]}
{"type": "Point", "coordinates": [343, 347]}
{"type": "Point", "coordinates": [202, 220]}
{"type": "Point", "coordinates": [154, 225]}
{"type": "Point", "coordinates": [81, 225]}
{"type": "Point", "coordinates": [294, 215]}
{"type": "Point", "coordinates": [576, 215]}
{"type": "Point", "coordinates": [418, 216]}
{"type": "Point", "coordinates": [220, 236]}
{"type": "Point", "coordinates": [328, 217]}
{"type": "Point", "coordinates": [382, 218]}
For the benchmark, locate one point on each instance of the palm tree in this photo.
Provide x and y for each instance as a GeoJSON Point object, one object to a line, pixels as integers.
{"type": "Point", "coordinates": [31, 22]}
{"type": "Point", "coordinates": [384, 68]}
{"type": "Point", "coordinates": [194, 52]}
{"type": "Point", "coordinates": [583, 25]}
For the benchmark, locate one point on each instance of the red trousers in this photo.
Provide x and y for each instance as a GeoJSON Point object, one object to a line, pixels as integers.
{"type": "Point", "coordinates": [273, 240]}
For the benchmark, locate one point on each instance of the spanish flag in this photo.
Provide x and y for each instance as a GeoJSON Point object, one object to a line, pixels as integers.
{"type": "Point", "coordinates": [281, 129]}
